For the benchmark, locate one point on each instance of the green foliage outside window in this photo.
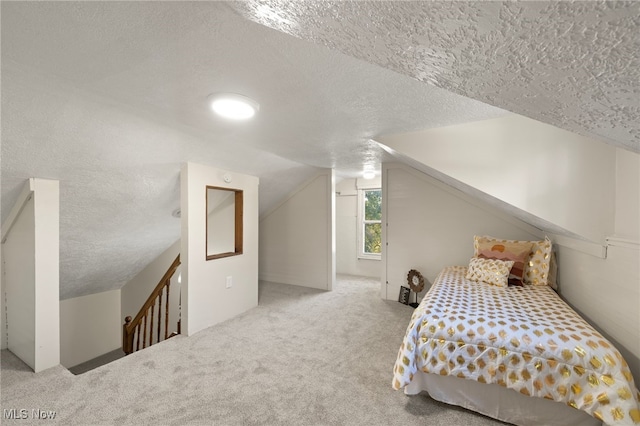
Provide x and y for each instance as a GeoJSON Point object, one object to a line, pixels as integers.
{"type": "Point", "coordinates": [372, 238]}
{"type": "Point", "coordinates": [373, 213]}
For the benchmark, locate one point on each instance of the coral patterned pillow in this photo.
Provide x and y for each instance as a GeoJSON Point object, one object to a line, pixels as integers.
{"type": "Point", "coordinates": [517, 251]}
{"type": "Point", "coordinates": [491, 271]}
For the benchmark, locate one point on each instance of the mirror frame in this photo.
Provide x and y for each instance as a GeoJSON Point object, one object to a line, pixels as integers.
{"type": "Point", "coordinates": [239, 198]}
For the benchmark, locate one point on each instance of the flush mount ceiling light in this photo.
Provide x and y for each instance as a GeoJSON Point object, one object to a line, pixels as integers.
{"type": "Point", "coordinates": [369, 174]}
{"type": "Point", "coordinates": [233, 106]}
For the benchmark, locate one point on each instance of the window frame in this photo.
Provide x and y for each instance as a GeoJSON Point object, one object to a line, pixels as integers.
{"type": "Point", "coordinates": [238, 238]}
{"type": "Point", "coordinates": [362, 222]}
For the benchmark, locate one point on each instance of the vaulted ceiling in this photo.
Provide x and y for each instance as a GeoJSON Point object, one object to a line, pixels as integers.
{"type": "Point", "coordinates": [110, 97]}
{"type": "Point", "coordinates": [575, 65]}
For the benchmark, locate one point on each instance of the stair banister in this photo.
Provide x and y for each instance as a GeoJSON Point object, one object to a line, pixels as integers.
{"type": "Point", "coordinates": [138, 325]}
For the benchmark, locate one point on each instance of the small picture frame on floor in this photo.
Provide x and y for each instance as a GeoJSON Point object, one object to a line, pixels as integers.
{"type": "Point", "coordinates": [403, 297]}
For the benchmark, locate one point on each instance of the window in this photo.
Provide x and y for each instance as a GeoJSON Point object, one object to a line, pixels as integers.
{"type": "Point", "coordinates": [369, 223]}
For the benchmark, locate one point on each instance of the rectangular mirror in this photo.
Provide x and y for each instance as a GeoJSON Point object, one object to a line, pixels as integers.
{"type": "Point", "coordinates": [224, 222]}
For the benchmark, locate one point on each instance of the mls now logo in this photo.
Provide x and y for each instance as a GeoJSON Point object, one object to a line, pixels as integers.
{"type": "Point", "coordinates": [21, 414]}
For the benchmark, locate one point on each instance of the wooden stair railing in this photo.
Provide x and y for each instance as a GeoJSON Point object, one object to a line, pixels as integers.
{"type": "Point", "coordinates": [138, 326]}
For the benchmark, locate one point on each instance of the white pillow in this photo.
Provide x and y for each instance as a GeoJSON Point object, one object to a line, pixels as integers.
{"type": "Point", "coordinates": [490, 271]}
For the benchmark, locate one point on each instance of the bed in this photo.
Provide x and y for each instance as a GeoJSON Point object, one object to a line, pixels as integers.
{"type": "Point", "coordinates": [515, 353]}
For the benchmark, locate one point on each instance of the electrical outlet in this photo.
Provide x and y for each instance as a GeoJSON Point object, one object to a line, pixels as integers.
{"type": "Point", "coordinates": [229, 281]}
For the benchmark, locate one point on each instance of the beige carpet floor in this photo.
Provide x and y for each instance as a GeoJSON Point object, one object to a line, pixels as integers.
{"type": "Point", "coordinates": [302, 357]}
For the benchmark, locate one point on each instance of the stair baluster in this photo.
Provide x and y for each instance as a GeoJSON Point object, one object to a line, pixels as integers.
{"type": "Point", "coordinates": [166, 315]}
{"type": "Point", "coordinates": [138, 325]}
{"type": "Point", "coordinates": [160, 316]}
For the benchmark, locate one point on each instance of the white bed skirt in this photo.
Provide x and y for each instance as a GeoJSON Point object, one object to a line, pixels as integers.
{"type": "Point", "coordinates": [498, 402]}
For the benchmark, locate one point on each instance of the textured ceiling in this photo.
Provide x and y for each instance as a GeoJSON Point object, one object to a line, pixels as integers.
{"type": "Point", "coordinates": [109, 98]}
{"type": "Point", "coordinates": [575, 65]}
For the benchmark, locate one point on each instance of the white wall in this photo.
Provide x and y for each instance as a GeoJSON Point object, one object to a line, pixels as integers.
{"type": "Point", "coordinates": [19, 252]}
{"type": "Point", "coordinates": [3, 315]}
{"type": "Point", "coordinates": [90, 326]}
{"type": "Point", "coordinates": [558, 176]}
{"type": "Point", "coordinates": [205, 299]}
{"type": "Point", "coordinates": [47, 221]}
{"type": "Point", "coordinates": [297, 238]}
{"type": "Point", "coordinates": [347, 261]}
{"type": "Point", "coordinates": [627, 217]}
{"type": "Point", "coordinates": [31, 284]}
{"type": "Point", "coordinates": [431, 225]}
{"type": "Point", "coordinates": [607, 291]}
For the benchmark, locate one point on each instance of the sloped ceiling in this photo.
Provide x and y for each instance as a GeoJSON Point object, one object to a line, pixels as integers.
{"type": "Point", "coordinates": [574, 65]}
{"type": "Point", "coordinates": [109, 98]}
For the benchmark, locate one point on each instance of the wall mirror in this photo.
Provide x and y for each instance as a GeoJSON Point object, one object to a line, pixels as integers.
{"type": "Point", "coordinates": [224, 222]}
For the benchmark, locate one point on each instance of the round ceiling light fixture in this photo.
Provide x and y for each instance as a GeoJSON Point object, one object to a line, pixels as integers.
{"type": "Point", "coordinates": [233, 106]}
{"type": "Point", "coordinates": [369, 174]}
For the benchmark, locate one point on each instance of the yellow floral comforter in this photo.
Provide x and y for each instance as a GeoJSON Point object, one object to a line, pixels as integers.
{"type": "Point", "coordinates": [523, 338]}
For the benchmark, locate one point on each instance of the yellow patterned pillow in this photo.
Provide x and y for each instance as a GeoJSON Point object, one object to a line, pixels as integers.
{"type": "Point", "coordinates": [536, 271]}
{"type": "Point", "coordinates": [491, 271]}
{"type": "Point", "coordinates": [553, 271]}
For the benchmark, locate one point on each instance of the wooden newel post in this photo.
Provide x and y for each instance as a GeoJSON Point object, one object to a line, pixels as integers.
{"type": "Point", "coordinates": [127, 340]}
